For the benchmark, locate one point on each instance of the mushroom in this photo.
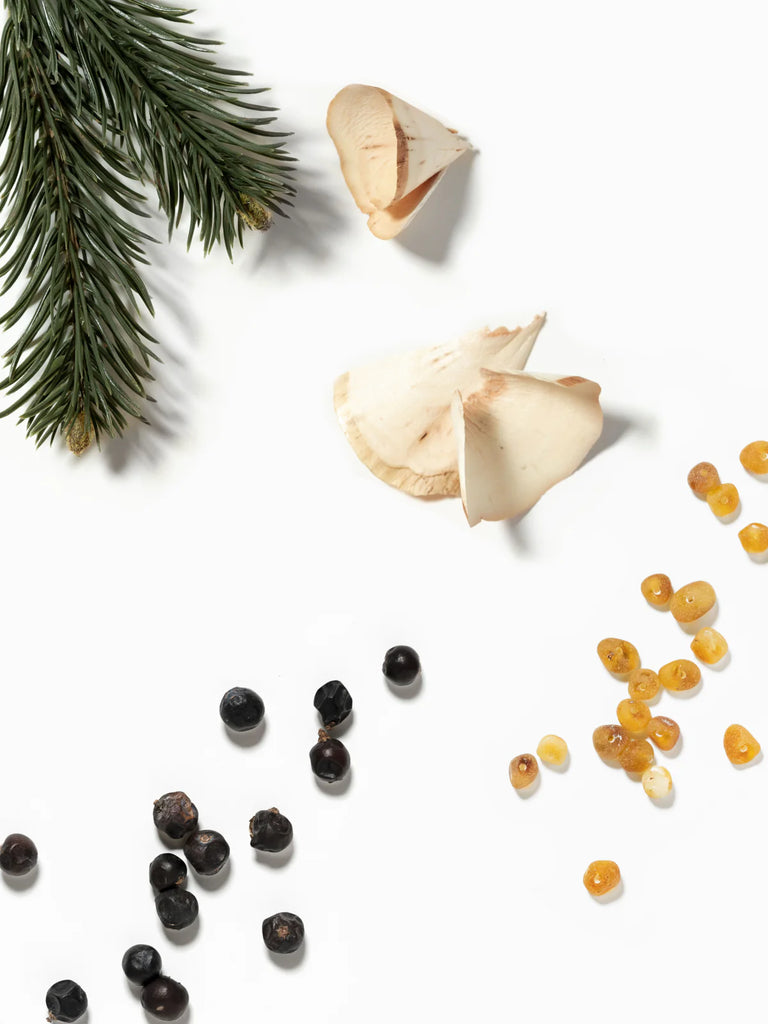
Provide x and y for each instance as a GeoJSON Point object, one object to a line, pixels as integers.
{"type": "Point", "coordinates": [396, 414]}
{"type": "Point", "coordinates": [392, 154]}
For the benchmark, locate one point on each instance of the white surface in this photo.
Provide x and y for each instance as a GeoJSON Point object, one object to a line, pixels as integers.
{"type": "Point", "coordinates": [619, 185]}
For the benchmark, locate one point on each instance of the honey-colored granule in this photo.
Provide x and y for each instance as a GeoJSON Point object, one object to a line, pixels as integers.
{"type": "Point", "coordinates": [643, 684]}
{"type": "Point", "coordinates": [523, 770]}
{"type": "Point", "coordinates": [634, 715]}
{"type": "Point", "coordinates": [709, 646]}
{"type": "Point", "coordinates": [754, 538]}
{"type": "Point", "coordinates": [636, 756]}
{"type": "Point", "coordinates": [601, 876]}
{"type": "Point", "coordinates": [657, 782]}
{"type": "Point", "coordinates": [609, 741]}
{"type": "Point", "coordinates": [723, 500]}
{"type": "Point", "coordinates": [665, 732]}
{"type": "Point", "coordinates": [552, 750]}
{"type": "Point", "coordinates": [618, 656]}
{"type": "Point", "coordinates": [741, 747]}
{"type": "Point", "coordinates": [680, 675]}
{"type": "Point", "coordinates": [754, 457]}
{"type": "Point", "coordinates": [657, 589]}
{"type": "Point", "coordinates": [692, 601]}
{"type": "Point", "coordinates": [702, 478]}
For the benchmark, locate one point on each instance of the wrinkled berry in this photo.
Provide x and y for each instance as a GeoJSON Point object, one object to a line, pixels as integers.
{"type": "Point", "coordinates": [241, 709]}
{"type": "Point", "coordinates": [164, 998]}
{"type": "Point", "coordinates": [176, 908]}
{"type": "Point", "coordinates": [18, 854]}
{"type": "Point", "coordinates": [283, 933]}
{"type": "Point", "coordinates": [141, 964]}
{"type": "Point", "coordinates": [175, 815]}
{"type": "Point", "coordinates": [207, 851]}
{"type": "Point", "coordinates": [166, 871]}
{"type": "Point", "coordinates": [401, 665]}
{"type": "Point", "coordinates": [270, 831]}
{"type": "Point", "coordinates": [329, 758]}
{"type": "Point", "coordinates": [334, 703]}
{"type": "Point", "coordinates": [66, 1001]}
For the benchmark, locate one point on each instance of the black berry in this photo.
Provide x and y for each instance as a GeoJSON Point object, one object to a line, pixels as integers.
{"type": "Point", "coordinates": [401, 665]}
{"type": "Point", "coordinates": [167, 871]}
{"type": "Point", "coordinates": [270, 831]}
{"type": "Point", "coordinates": [18, 854]}
{"type": "Point", "coordinates": [176, 908]}
{"type": "Point", "coordinates": [334, 703]}
{"type": "Point", "coordinates": [66, 1001]}
{"type": "Point", "coordinates": [207, 852]}
{"type": "Point", "coordinates": [241, 709]}
{"type": "Point", "coordinates": [329, 758]}
{"type": "Point", "coordinates": [164, 998]}
{"type": "Point", "coordinates": [175, 815]}
{"type": "Point", "coordinates": [141, 964]}
{"type": "Point", "coordinates": [283, 933]}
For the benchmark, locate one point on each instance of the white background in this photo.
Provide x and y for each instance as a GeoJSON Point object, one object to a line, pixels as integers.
{"type": "Point", "coordinates": [619, 184]}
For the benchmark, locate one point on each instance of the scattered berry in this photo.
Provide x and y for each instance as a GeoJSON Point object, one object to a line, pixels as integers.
{"type": "Point", "coordinates": [723, 500]}
{"type": "Point", "coordinates": [665, 732]}
{"type": "Point", "coordinates": [644, 684]}
{"type": "Point", "coordinates": [271, 831]}
{"type": "Point", "coordinates": [334, 703]}
{"type": "Point", "coordinates": [164, 998]}
{"type": "Point", "coordinates": [754, 538]}
{"type": "Point", "coordinates": [175, 815]}
{"type": "Point", "coordinates": [66, 1001]}
{"type": "Point", "coordinates": [657, 782]}
{"type": "Point", "coordinates": [176, 908]}
{"type": "Point", "coordinates": [552, 750]}
{"type": "Point", "coordinates": [166, 871]}
{"type": "Point", "coordinates": [401, 665]}
{"type": "Point", "coordinates": [754, 457]}
{"type": "Point", "coordinates": [241, 709]}
{"type": "Point", "coordinates": [692, 601]}
{"type": "Point", "coordinates": [609, 741]}
{"type": "Point", "coordinates": [141, 964]}
{"type": "Point", "coordinates": [741, 747]}
{"type": "Point", "coordinates": [709, 646]}
{"type": "Point", "coordinates": [18, 854]}
{"type": "Point", "coordinates": [636, 756]}
{"type": "Point", "coordinates": [329, 758]}
{"type": "Point", "coordinates": [283, 933]}
{"type": "Point", "coordinates": [702, 478]}
{"type": "Point", "coordinates": [680, 675]}
{"type": "Point", "coordinates": [207, 851]}
{"type": "Point", "coordinates": [657, 589]}
{"type": "Point", "coordinates": [618, 656]}
{"type": "Point", "coordinates": [523, 770]}
{"type": "Point", "coordinates": [601, 876]}
{"type": "Point", "coordinates": [634, 715]}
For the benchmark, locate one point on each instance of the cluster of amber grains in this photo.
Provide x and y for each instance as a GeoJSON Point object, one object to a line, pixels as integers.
{"type": "Point", "coordinates": [704, 481]}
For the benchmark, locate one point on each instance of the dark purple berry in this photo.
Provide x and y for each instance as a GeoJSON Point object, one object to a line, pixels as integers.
{"type": "Point", "coordinates": [207, 852]}
{"type": "Point", "coordinates": [176, 908]}
{"type": "Point", "coordinates": [334, 703]}
{"type": "Point", "coordinates": [401, 665]}
{"type": "Point", "coordinates": [271, 831]}
{"type": "Point", "coordinates": [175, 815]}
{"type": "Point", "coordinates": [241, 709]}
{"type": "Point", "coordinates": [164, 998]}
{"type": "Point", "coordinates": [66, 1001]}
{"type": "Point", "coordinates": [283, 933]}
{"type": "Point", "coordinates": [329, 758]}
{"type": "Point", "coordinates": [141, 964]}
{"type": "Point", "coordinates": [18, 854]}
{"type": "Point", "coordinates": [167, 871]}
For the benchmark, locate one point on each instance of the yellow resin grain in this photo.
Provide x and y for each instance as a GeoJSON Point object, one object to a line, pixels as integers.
{"type": "Point", "coordinates": [665, 732]}
{"type": "Point", "coordinates": [680, 675]}
{"type": "Point", "coordinates": [692, 601]}
{"type": "Point", "coordinates": [523, 770]}
{"type": "Point", "coordinates": [741, 747]}
{"type": "Point", "coordinates": [601, 876]}
{"type": "Point", "coordinates": [657, 589]}
{"type": "Point", "coordinates": [637, 756]}
{"type": "Point", "coordinates": [609, 741]}
{"type": "Point", "coordinates": [634, 715]}
{"type": "Point", "coordinates": [618, 656]}
{"type": "Point", "coordinates": [709, 646]}
{"type": "Point", "coordinates": [643, 684]}
{"type": "Point", "coordinates": [754, 538]}
{"type": "Point", "coordinates": [702, 478]}
{"type": "Point", "coordinates": [723, 500]}
{"type": "Point", "coordinates": [552, 750]}
{"type": "Point", "coordinates": [754, 457]}
{"type": "Point", "coordinates": [657, 782]}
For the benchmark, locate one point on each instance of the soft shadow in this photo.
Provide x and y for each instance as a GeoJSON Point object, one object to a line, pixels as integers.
{"type": "Point", "coordinates": [185, 1018]}
{"type": "Point", "coordinates": [559, 768]}
{"type": "Point", "coordinates": [407, 692]}
{"type": "Point", "coordinates": [615, 426]}
{"type": "Point", "coordinates": [430, 233]}
{"type": "Point", "coordinates": [335, 788]}
{"type": "Point", "coordinates": [758, 558]}
{"type": "Point", "coordinates": [611, 896]}
{"type": "Point", "coordinates": [274, 860]}
{"type": "Point", "coordinates": [289, 961]}
{"type": "Point", "coordinates": [213, 882]}
{"type": "Point", "coordinates": [182, 936]}
{"type": "Point", "coordinates": [528, 791]}
{"type": "Point", "coordinates": [20, 883]}
{"type": "Point", "coordinates": [687, 694]}
{"type": "Point", "coordinates": [718, 666]}
{"type": "Point", "coordinates": [692, 628]}
{"type": "Point", "coordinates": [675, 751]}
{"type": "Point", "coordinates": [516, 529]}
{"type": "Point", "coordinates": [247, 738]}
{"type": "Point", "coordinates": [731, 517]}
{"type": "Point", "coordinates": [749, 764]}
{"type": "Point", "coordinates": [665, 801]}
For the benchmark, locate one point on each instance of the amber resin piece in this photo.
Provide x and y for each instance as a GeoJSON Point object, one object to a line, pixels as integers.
{"type": "Point", "coordinates": [657, 589]}
{"type": "Point", "coordinates": [643, 684]}
{"type": "Point", "coordinates": [665, 732]}
{"type": "Point", "coordinates": [634, 716]}
{"type": "Point", "coordinates": [754, 538]}
{"type": "Point", "coordinates": [692, 601]}
{"type": "Point", "coordinates": [618, 656]}
{"type": "Point", "coordinates": [601, 876]}
{"type": "Point", "coordinates": [523, 770]}
{"type": "Point", "coordinates": [754, 457]}
{"type": "Point", "coordinates": [680, 675]}
{"type": "Point", "coordinates": [723, 500]}
{"type": "Point", "coordinates": [552, 750]}
{"type": "Point", "coordinates": [741, 747]}
{"type": "Point", "coordinates": [637, 756]}
{"type": "Point", "coordinates": [709, 646]}
{"type": "Point", "coordinates": [657, 782]}
{"type": "Point", "coordinates": [702, 478]}
{"type": "Point", "coordinates": [609, 741]}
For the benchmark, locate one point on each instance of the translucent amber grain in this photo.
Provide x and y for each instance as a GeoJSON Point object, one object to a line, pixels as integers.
{"type": "Point", "coordinates": [709, 646]}
{"type": "Point", "coordinates": [644, 684]}
{"type": "Point", "coordinates": [754, 538]}
{"type": "Point", "coordinates": [755, 457]}
{"type": "Point", "coordinates": [692, 601]}
{"type": "Point", "coordinates": [665, 732]}
{"type": "Point", "coordinates": [702, 478]}
{"type": "Point", "coordinates": [618, 656]}
{"type": "Point", "coordinates": [723, 499]}
{"type": "Point", "coordinates": [680, 675]}
{"type": "Point", "coordinates": [523, 769]}
{"type": "Point", "coordinates": [637, 756]}
{"type": "Point", "coordinates": [741, 747]}
{"type": "Point", "coordinates": [601, 876]}
{"type": "Point", "coordinates": [634, 716]}
{"type": "Point", "coordinates": [657, 782]}
{"type": "Point", "coordinates": [609, 741]}
{"type": "Point", "coordinates": [552, 750]}
{"type": "Point", "coordinates": [657, 589]}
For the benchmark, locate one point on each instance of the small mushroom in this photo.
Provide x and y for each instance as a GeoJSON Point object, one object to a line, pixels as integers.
{"type": "Point", "coordinates": [392, 154]}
